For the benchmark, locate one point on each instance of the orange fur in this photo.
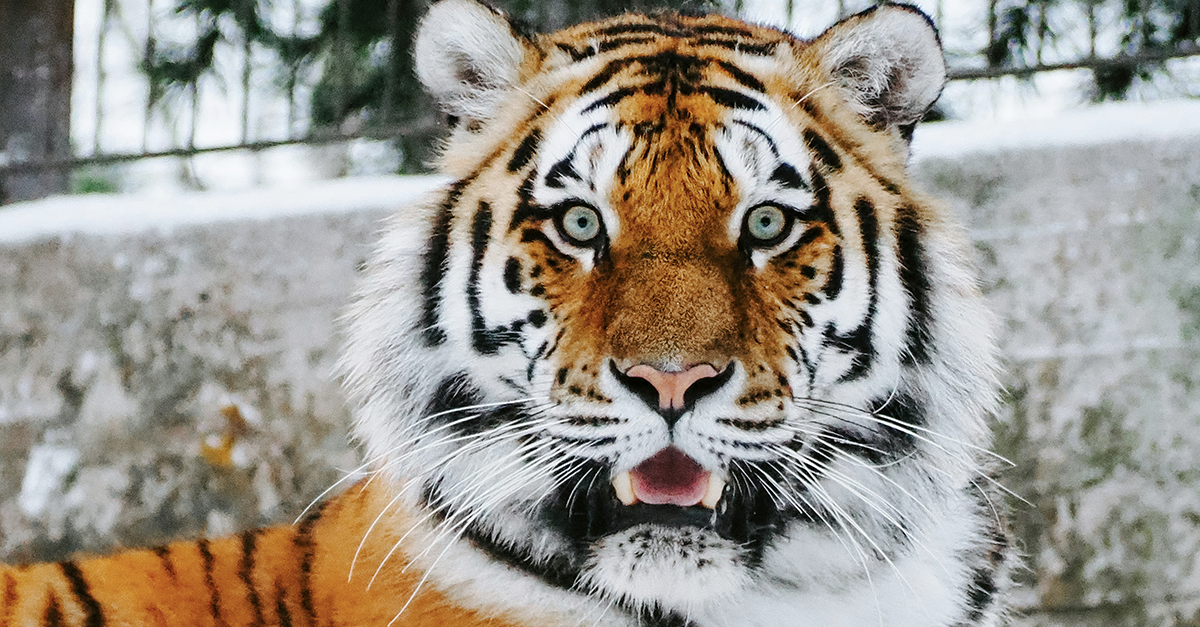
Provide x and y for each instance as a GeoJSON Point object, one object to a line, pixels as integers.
{"type": "Point", "coordinates": [179, 585]}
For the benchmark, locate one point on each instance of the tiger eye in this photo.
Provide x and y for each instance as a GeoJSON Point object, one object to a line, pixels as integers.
{"type": "Point", "coordinates": [765, 224]}
{"type": "Point", "coordinates": [581, 224]}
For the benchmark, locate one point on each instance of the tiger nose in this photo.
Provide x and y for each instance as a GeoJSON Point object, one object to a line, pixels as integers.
{"type": "Point", "coordinates": [674, 392]}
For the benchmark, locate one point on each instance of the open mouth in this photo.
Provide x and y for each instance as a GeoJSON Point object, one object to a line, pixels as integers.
{"type": "Point", "coordinates": [667, 490]}
{"type": "Point", "coordinates": [669, 477]}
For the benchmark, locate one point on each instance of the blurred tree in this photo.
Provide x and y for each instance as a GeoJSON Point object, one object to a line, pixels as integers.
{"type": "Point", "coordinates": [363, 50]}
{"type": "Point", "coordinates": [1020, 31]}
{"type": "Point", "coordinates": [35, 94]}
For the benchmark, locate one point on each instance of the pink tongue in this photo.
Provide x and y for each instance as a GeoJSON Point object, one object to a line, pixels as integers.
{"type": "Point", "coordinates": [669, 477]}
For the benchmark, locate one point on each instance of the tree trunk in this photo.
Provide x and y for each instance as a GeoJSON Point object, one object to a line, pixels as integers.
{"type": "Point", "coordinates": [35, 95]}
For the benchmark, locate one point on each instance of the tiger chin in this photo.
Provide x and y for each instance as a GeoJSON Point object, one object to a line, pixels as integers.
{"type": "Point", "coordinates": [680, 344]}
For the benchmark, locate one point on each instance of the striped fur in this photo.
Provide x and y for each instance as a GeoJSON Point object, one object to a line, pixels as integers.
{"type": "Point", "coordinates": [659, 192]}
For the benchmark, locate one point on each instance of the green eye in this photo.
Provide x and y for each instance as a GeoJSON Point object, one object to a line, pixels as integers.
{"type": "Point", "coordinates": [766, 225]}
{"type": "Point", "coordinates": [580, 225]}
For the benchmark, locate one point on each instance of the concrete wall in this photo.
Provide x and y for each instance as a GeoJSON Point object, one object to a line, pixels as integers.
{"type": "Point", "coordinates": [164, 375]}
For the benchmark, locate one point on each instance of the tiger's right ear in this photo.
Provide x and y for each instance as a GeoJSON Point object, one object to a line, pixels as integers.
{"type": "Point", "coordinates": [468, 55]}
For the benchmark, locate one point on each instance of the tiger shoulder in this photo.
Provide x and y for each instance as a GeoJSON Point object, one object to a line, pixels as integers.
{"type": "Point", "coordinates": [679, 345]}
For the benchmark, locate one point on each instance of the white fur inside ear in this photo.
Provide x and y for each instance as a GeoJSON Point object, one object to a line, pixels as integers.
{"type": "Point", "coordinates": [467, 56]}
{"type": "Point", "coordinates": [889, 63]}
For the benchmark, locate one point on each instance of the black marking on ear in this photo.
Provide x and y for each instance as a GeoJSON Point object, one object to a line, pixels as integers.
{"type": "Point", "coordinates": [730, 98]}
{"type": "Point", "coordinates": [744, 78]}
{"type": "Point", "coordinates": [787, 176]}
{"type": "Point", "coordinates": [512, 275]}
{"type": "Point", "coordinates": [435, 258]}
{"type": "Point", "coordinates": [525, 151]}
{"type": "Point", "coordinates": [822, 150]}
{"type": "Point", "coordinates": [485, 341]}
{"type": "Point", "coordinates": [914, 276]}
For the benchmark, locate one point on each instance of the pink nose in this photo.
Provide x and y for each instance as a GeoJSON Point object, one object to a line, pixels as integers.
{"type": "Point", "coordinates": [671, 386]}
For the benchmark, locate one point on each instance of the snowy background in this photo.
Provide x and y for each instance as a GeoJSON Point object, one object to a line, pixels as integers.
{"type": "Point", "coordinates": [166, 354]}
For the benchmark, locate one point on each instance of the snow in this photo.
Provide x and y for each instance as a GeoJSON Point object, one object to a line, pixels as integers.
{"type": "Point", "coordinates": [1114, 122]}
{"type": "Point", "coordinates": [105, 214]}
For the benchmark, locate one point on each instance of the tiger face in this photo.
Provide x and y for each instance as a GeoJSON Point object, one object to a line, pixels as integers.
{"type": "Point", "coordinates": [679, 341]}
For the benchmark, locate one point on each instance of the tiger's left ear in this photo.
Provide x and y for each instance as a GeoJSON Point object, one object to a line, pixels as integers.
{"type": "Point", "coordinates": [887, 62]}
{"type": "Point", "coordinates": [468, 55]}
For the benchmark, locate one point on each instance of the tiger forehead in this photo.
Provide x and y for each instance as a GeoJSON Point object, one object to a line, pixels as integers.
{"type": "Point", "coordinates": [710, 31]}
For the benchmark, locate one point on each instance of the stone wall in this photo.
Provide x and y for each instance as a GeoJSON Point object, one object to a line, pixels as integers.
{"type": "Point", "coordinates": [169, 377]}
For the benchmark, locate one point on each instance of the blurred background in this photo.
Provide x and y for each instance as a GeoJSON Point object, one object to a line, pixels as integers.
{"type": "Point", "coordinates": [189, 187]}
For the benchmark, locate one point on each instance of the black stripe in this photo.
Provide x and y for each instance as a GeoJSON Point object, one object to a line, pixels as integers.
{"type": "Point", "coordinates": [639, 28]}
{"type": "Point", "coordinates": [282, 613]}
{"type": "Point", "coordinates": [860, 340]}
{"type": "Point", "coordinates": [743, 77]}
{"type": "Point", "coordinates": [562, 170]}
{"type": "Point", "coordinates": [761, 50]}
{"type": "Point", "coordinates": [824, 153]}
{"type": "Point", "coordinates": [603, 76]}
{"type": "Point", "coordinates": [525, 151]}
{"type": "Point", "coordinates": [436, 256]}
{"type": "Point", "coordinates": [484, 340]}
{"type": "Point", "coordinates": [808, 237]}
{"type": "Point", "coordinates": [576, 54]}
{"type": "Point", "coordinates": [714, 29]}
{"type": "Point", "coordinates": [512, 275]}
{"type": "Point", "coordinates": [614, 44]}
{"type": "Point", "coordinates": [246, 574]}
{"type": "Point", "coordinates": [304, 543]}
{"type": "Point", "coordinates": [83, 593]}
{"type": "Point", "coordinates": [833, 283]}
{"type": "Point", "coordinates": [732, 99]}
{"type": "Point", "coordinates": [53, 616]}
{"type": "Point", "coordinates": [914, 276]}
{"type": "Point", "coordinates": [821, 209]}
{"type": "Point", "coordinates": [206, 557]}
{"type": "Point", "coordinates": [980, 593]}
{"type": "Point", "coordinates": [454, 393]}
{"type": "Point", "coordinates": [10, 599]}
{"type": "Point", "coordinates": [612, 99]}
{"type": "Point", "coordinates": [787, 176]}
{"type": "Point", "coordinates": [526, 208]}
{"type": "Point", "coordinates": [164, 556]}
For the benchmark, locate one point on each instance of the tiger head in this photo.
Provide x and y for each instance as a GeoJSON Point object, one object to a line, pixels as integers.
{"type": "Point", "coordinates": [679, 330]}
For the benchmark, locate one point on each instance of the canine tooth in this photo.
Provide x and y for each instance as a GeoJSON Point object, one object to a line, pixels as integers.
{"type": "Point", "coordinates": [716, 486]}
{"type": "Point", "coordinates": [623, 484]}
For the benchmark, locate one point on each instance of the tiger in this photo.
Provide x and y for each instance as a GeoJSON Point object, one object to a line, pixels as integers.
{"type": "Point", "coordinates": [679, 344]}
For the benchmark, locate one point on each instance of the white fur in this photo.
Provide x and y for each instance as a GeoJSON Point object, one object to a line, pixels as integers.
{"type": "Point", "coordinates": [892, 552]}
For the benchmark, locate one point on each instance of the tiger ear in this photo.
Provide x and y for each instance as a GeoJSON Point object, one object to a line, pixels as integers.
{"type": "Point", "coordinates": [468, 55]}
{"type": "Point", "coordinates": [887, 62]}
